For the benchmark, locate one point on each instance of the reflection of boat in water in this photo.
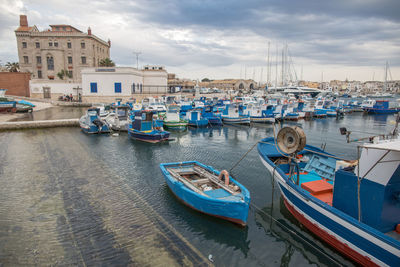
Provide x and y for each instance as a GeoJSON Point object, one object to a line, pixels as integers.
{"type": "Point", "coordinates": [285, 228]}
{"type": "Point", "coordinates": [202, 188]}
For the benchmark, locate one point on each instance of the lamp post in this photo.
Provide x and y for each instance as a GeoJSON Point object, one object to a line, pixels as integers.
{"type": "Point", "coordinates": [137, 58]}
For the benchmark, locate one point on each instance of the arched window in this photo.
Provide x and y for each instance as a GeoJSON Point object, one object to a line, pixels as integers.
{"type": "Point", "coordinates": [50, 62]}
{"type": "Point", "coordinates": [141, 88]}
{"type": "Point", "coordinates": [133, 88]}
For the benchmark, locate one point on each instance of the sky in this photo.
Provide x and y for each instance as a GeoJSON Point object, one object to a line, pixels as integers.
{"type": "Point", "coordinates": [196, 39]}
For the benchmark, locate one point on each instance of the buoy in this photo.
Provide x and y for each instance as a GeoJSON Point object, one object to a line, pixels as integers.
{"type": "Point", "coordinates": [210, 258]}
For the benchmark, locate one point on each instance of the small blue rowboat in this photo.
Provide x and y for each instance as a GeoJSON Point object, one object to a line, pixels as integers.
{"type": "Point", "coordinates": [200, 187]}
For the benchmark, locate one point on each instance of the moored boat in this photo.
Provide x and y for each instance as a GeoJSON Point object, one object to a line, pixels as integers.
{"type": "Point", "coordinates": [142, 128]}
{"type": "Point", "coordinates": [381, 107]}
{"type": "Point", "coordinates": [231, 115]}
{"type": "Point", "coordinates": [92, 123]}
{"type": "Point", "coordinates": [354, 206]}
{"type": "Point", "coordinates": [207, 190]}
{"type": "Point", "coordinates": [172, 119]}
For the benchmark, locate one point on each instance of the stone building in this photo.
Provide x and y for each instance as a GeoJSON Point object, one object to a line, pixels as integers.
{"type": "Point", "coordinates": [47, 53]}
{"type": "Point", "coordinates": [231, 84]}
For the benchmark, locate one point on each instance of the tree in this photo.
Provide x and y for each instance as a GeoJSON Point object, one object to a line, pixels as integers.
{"type": "Point", "coordinates": [12, 66]}
{"type": "Point", "coordinates": [206, 80]}
{"type": "Point", "coordinates": [63, 73]}
{"type": "Point", "coordinates": [106, 63]}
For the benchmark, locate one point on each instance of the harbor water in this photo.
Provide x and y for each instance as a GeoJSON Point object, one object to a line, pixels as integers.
{"type": "Point", "coordinates": [67, 198]}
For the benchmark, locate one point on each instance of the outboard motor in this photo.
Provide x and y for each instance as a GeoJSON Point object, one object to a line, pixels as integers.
{"type": "Point", "coordinates": [98, 123]}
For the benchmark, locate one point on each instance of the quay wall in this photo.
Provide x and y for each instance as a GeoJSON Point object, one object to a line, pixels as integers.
{"type": "Point", "coordinates": [18, 125]}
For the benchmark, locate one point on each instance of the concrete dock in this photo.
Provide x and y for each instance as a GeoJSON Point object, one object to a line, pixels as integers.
{"type": "Point", "coordinates": [16, 125]}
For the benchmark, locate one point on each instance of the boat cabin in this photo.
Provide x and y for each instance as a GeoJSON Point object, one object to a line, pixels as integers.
{"type": "Point", "coordinates": [143, 121]}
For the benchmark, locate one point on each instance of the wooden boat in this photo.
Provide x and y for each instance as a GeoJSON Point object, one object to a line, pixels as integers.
{"type": "Point", "coordinates": [355, 209]}
{"type": "Point", "coordinates": [195, 118]}
{"type": "Point", "coordinates": [381, 107]}
{"type": "Point", "coordinates": [92, 123]}
{"type": "Point", "coordinates": [232, 115]}
{"type": "Point", "coordinates": [200, 187]}
{"type": "Point", "coordinates": [142, 128]}
{"type": "Point", "coordinates": [172, 119]}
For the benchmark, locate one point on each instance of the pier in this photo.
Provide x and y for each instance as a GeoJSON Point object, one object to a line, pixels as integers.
{"type": "Point", "coordinates": [17, 125]}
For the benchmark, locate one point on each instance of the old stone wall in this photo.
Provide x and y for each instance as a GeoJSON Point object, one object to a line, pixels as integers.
{"type": "Point", "coordinates": [16, 83]}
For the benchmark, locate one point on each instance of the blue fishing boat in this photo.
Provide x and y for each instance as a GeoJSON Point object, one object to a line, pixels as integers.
{"type": "Point", "coordinates": [232, 115]}
{"type": "Point", "coordinates": [207, 190]}
{"type": "Point", "coordinates": [195, 118]}
{"type": "Point", "coordinates": [381, 107]}
{"type": "Point", "coordinates": [354, 206]}
{"type": "Point", "coordinates": [213, 118]}
{"type": "Point", "coordinates": [92, 123]}
{"type": "Point", "coordinates": [141, 128]}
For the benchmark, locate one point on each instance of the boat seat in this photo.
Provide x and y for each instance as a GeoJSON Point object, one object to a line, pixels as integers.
{"type": "Point", "coordinates": [320, 189]}
{"type": "Point", "coordinates": [317, 187]}
{"type": "Point", "coordinates": [200, 181]}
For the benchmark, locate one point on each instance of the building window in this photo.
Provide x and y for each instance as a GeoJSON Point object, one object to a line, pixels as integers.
{"type": "Point", "coordinates": [83, 45]}
{"type": "Point", "coordinates": [83, 60]}
{"type": "Point", "coordinates": [57, 28]}
{"type": "Point", "coordinates": [141, 88]}
{"type": "Point", "coordinates": [37, 45]}
{"type": "Point", "coordinates": [69, 45]}
{"type": "Point", "coordinates": [39, 60]}
{"type": "Point", "coordinates": [50, 63]}
{"type": "Point", "coordinates": [117, 87]}
{"type": "Point", "coordinates": [24, 45]}
{"type": "Point", "coordinates": [64, 29]}
{"type": "Point", "coordinates": [70, 74]}
{"type": "Point", "coordinates": [93, 87]}
{"type": "Point", "coordinates": [39, 74]}
{"type": "Point", "coordinates": [133, 88]}
{"type": "Point", "coordinates": [26, 59]}
{"type": "Point", "coordinates": [55, 44]}
{"type": "Point", "coordinates": [50, 44]}
{"type": "Point", "coordinates": [69, 60]}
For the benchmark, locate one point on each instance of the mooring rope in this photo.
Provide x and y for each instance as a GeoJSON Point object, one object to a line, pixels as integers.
{"type": "Point", "coordinates": [321, 250]}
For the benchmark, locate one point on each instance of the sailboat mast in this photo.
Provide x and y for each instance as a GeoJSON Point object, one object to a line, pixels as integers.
{"type": "Point", "coordinates": [386, 70]}
{"type": "Point", "coordinates": [268, 66]}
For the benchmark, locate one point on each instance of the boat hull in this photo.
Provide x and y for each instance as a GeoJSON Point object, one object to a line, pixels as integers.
{"type": "Point", "coordinates": [357, 241]}
{"type": "Point", "coordinates": [232, 210]}
{"type": "Point", "coordinates": [175, 125]}
{"type": "Point", "coordinates": [92, 129]}
{"type": "Point", "coordinates": [240, 120]}
{"type": "Point", "coordinates": [198, 123]}
{"type": "Point", "coordinates": [381, 111]}
{"type": "Point", "coordinates": [155, 137]}
{"type": "Point", "coordinates": [262, 119]}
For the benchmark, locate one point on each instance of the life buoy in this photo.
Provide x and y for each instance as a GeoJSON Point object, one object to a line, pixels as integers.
{"type": "Point", "coordinates": [226, 175]}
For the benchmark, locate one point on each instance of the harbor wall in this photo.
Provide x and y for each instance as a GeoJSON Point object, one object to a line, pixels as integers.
{"type": "Point", "coordinates": [53, 90]}
{"type": "Point", "coordinates": [16, 83]}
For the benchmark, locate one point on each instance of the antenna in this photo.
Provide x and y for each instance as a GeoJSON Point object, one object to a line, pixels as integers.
{"type": "Point", "coordinates": [137, 58]}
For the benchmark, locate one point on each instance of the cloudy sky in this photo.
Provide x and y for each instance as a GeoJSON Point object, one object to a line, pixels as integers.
{"type": "Point", "coordinates": [229, 39]}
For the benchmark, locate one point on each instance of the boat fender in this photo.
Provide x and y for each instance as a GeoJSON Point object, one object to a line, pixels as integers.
{"type": "Point", "coordinates": [398, 228]}
{"type": "Point", "coordinates": [226, 175]}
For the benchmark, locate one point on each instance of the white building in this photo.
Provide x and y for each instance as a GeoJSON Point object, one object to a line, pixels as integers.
{"type": "Point", "coordinates": [104, 84]}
